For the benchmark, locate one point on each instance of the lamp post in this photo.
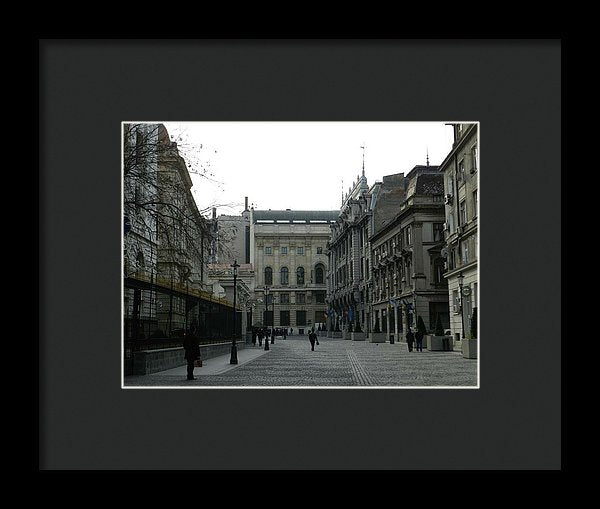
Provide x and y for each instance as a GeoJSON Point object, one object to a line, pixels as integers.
{"type": "Point", "coordinates": [234, 359]}
{"type": "Point", "coordinates": [273, 320]}
{"type": "Point", "coordinates": [461, 278]}
{"type": "Point", "coordinates": [266, 292]}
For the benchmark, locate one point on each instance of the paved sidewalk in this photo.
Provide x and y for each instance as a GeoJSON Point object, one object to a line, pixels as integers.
{"type": "Point", "coordinates": [217, 365]}
{"type": "Point", "coordinates": [335, 363]}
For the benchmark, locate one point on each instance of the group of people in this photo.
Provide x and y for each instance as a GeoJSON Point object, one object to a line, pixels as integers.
{"type": "Point", "coordinates": [412, 337]}
{"type": "Point", "coordinates": [261, 333]}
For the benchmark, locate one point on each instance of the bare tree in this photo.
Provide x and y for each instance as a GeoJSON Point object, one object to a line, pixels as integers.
{"type": "Point", "coordinates": [166, 234]}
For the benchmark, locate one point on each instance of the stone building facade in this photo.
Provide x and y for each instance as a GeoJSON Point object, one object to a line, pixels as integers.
{"type": "Point", "coordinates": [166, 244]}
{"type": "Point", "coordinates": [348, 260]}
{"type": "Point", "coordinates": [460, 171]}
{"type": "Point", "coordinates": [406, 245]}
{"type": "Point", "coordinates": [288, 254]}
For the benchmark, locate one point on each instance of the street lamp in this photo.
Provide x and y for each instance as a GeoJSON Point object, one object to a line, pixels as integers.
{"type": "Point", "coordinates": [234, 359]}
{"type": "Point", "coordinates": [273, 320]}
{"type": "Point", "coordinates": [266, 292]}
{"type": "Point", "coordinates": [461, 278]}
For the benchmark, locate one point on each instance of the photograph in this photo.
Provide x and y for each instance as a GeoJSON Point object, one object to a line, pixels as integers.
{"type": "Point", "coordinates": [300, 255]}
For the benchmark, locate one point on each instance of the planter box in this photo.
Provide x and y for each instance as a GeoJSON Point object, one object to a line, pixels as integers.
{"type": "Point", "coordinates": [436, 343]}
{"type": "Point", "coordinates": [358, 336]}
{"type": "Point", "coordinates": [336, 334]}
{"type": "Point", "coordinates": [345, 334]}
{"type": "Point", "coordinates": [469, 348]}
{"type": "Point", "coordinates": [378, 337]}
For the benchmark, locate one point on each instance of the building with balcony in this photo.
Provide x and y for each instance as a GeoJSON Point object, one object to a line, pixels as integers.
{"type": "Point", "coordinates": [288, 253]}
{"type": "Point", "coordinates": [460, 171]}
{"type": "Point", "coordinates": [407, 265]}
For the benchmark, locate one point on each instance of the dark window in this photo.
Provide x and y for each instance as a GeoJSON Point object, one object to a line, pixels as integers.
{"type": "Point", "coordinates": [319, 250]}
{"type": "Point", "coordinates": [284, 318]}
{"type": "Point", "coordinates": [320, 297]}
{"type": "Point", "coordinates": [300, 298]}
{"type": "Point", "coordinates": [319, 275]}
{"type": "Point", "coordinates": [300, 317]}
{"type": "Point", "coordinates": [268, 250]}
{"type": "Point", "coordinates": [268, 276]}
{"type": "Point", "coordinates": [284, 298]}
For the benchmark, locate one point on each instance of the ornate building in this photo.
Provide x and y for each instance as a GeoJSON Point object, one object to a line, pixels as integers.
{"type": "Point", "coordinates": [288, 253]}
{"type": "Point", "coordinates": [406, 245]}
{"type": "Point", "coordinates": [460, 172]}
{"type": "Point", "coordinates": [348, 254]}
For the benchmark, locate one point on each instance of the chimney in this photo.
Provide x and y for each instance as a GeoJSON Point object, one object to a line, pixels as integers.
{"type": "Point", "coordinates": [246, 204]}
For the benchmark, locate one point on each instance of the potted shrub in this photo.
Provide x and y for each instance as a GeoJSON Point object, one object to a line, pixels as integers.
{"type": "Point", "coordinates": [377, 336]}
{"type": "Point", "coordinates": [439, 340]}
{"type": "Point", "coordinates": [358, 334]}
{"type": "Point", "coordinates": [469, 344]}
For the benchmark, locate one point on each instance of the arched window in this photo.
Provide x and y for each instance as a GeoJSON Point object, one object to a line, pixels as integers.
{"type": "Point", "coordinates": [319, 275]}
{"type": "Point", "coordinates": [300, 276]}
{"type": "Point", "coordinates": [268, 276]}
{"type": "Point", "coordinates": [285, 276]}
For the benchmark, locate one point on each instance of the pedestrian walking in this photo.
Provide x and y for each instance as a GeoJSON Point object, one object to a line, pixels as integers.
{"type": "Point", "coordinates": [312, 337]}
{"type": "Point", "coordinates": [254, 336]}
{"type": "Point", "coordinates": [419, 337]}
{"type": "Point", "coordinates": [291, 331]}
{"type": "Point", "coordinates": [410, 338]}
{"type": "Point", "coordinates": [285, 333]}
{"type": "Point", "coordinates": [260, 337]}
{"type": "Point", "coordinates": [191, 345]}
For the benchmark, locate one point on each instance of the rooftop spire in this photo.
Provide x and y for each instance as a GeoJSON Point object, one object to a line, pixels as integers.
{"type": "Point", "coordinates": [427, 148]}
{"type": "Point", "coordinates": [363, 146]}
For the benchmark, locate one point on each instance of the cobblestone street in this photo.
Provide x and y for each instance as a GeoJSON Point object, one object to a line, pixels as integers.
{"type": "Point", "coordinates": [334, 363]}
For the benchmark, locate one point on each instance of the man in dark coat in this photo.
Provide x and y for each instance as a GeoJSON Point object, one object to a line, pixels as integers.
{"type": "Point", "coordinates": [419, 337]}
{"type": "Point", "coordinates": [410, 338]}
{"type": "Point", "coordinates": [191, 344]}
{"type": "Point", "coordinates": [285, 333]}
{"type": "Point", "coordinates": [312, 337]}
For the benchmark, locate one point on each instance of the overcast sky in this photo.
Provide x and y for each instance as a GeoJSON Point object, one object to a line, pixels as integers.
{"type": "Point", "coordinates": [300, 165]}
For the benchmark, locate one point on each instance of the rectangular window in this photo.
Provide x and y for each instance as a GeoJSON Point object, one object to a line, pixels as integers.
{"type": "Point", "coordinates": [455, 301]}
{"type": "Point", "coordinates": [475, 203]}
{"type": "Point", "coordinates": [300, 298]}
{"type": "Point", "coordinates": [284, 318]}
{"type": "Point", "coordinates": [461, 171]}
{"type": "Point", "coordinates": [284, 250]}
{"type": "Point", "coordinates": [408, 236]}
{"type": "Point", "coordinates": [319, 250]}
{"type": "Point", "coordinates": [451, 185]}
{"type": "Point", "coordinates": [320, 317]}
{"type": "Point", "coordinates": [438, 232]}
{"type": "Point", "coordinates": [320, 297]}
{"type": "Point", "coordinates": [300, 250]}
{"type": "Point", "coordinates": [463, 212]}
{"type": "Point", "coordinates": [285, 298]}
{"type": "Point", "coordinates": [474, 159]}
{"type": "Point", "coordinates": [300, 317]}
{"type": "Point", "coordinates": [268, 250]}
{"type": "Point", "coordinates": [268, 318]}
{"type": "Point", "coordinates": [465, 252]}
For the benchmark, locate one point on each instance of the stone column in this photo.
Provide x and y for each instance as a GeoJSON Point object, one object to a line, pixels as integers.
{"type": "Point", "coordinates": [397, 329]}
